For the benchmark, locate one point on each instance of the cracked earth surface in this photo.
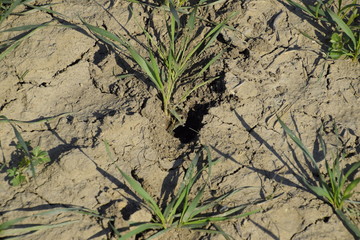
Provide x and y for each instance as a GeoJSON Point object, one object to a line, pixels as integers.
{"type": "Point", "coordinates": [270, 69]}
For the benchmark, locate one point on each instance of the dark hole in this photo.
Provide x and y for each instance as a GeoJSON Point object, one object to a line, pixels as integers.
{"type": "Point", "coordinates": [112, 113]}
{"type": "Point", "coordinates": [135, 176]}
{"type": "Point", "coordinates": [221, 39]}
{"type": "Point", "coordinates": [218, 86]}
{"type": "Point", "coordinates": [193, 124]}
{"type": "Point", "coordinates": [326, 219]}
{"type": "Point", "coordinates": [101, 53]}
{"type": "Point", "coordinates": [246, 53]}
{"type": "Point", "coordinates": [127, 211]}
{"type": "Point", "coordinates": [69, 119]}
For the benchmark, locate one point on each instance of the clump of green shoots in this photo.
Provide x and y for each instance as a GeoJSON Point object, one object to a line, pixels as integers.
{"type": "Point", "coordinates": [20, 173]}
{"type": "Point", "coordinates": [183, 211]}
{"type": "Point", "coordinates": [335, 187]}
{"type": "Point", "coordinates": [30, 157]}
{"type": "Point", "coordinates": [344, 21]}
{"type": "Point", "coordinates": [171, 63]}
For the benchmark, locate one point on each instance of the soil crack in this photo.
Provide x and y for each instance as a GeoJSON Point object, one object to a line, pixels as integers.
{"type": "Point", "coordinates": [222, 179]}
{"type": "Point", "coordinates": [71, 64]}
{"type": "Point", "coordinates": [7, 103]}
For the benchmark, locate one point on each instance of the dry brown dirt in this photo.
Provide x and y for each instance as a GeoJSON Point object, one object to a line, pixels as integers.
{"type": "Point", "coordinates": [270, 69]}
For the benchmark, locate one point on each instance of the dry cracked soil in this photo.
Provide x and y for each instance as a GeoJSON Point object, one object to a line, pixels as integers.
{"type": "Point", "coordinates": [269, 69]}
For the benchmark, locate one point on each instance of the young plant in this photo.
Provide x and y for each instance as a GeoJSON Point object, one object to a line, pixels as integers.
{"type": "Point", "coordinates": [171, 63]}
{"type": "Point", "coordinates": [30, 158]}
{"type": "Point", "coordinates": [336, 188]}
{"type": "Point", "coordinates": [183, 211]}
{"type": "Point", "coordinates": [19, 174]}
{"type": "Point", "coordinates": [344, 20]}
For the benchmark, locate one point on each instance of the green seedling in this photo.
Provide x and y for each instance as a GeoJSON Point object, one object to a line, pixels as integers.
{"type": "Point", "coordinates": [343, 19]}
{"type": "Point", "coordinates": [19, 174]}
{"type": "Point", "coordinates": [30, 157]}
{"type": "Point", "coordinates": [335, 187]}
{"type": "Point", "coordinates": [169, 63]}
{"type": "Point", "coordinates": [183, 211]}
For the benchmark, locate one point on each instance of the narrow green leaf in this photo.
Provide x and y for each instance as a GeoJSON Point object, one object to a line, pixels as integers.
{"type": "Point", "coordinates": [350, 225]}
{"type": "Point", "coordinates": [189, 213]}
{"type": "Point", "coordinates": [214, 202]}
{"type": "Point", "coordinates": [25, 148]}
{"type": "Point", "coordinates": [207, 3]}
{"type": "Point", "coordinates": [5, 230]}
{"type": "Point", "coordinates": [103, 32]}
{"type": "Point", "coordinates": [147, 198]}
{"type": "Point", "coordinates": [299, 143]}
{"type": "Point", "coordinates": [171, 209]}
{"type": "Point", "coordinates": [322, 143]}
{"type": "Point", "coordinates": [42, 119]}
{"type": "Point", "coordinates": [16, 43]}
{"type": "Point", "coordinates": [10, 10]}
{"type": "Point", "coordinates": [351, 186]}
{"type": "Point", "coordinates": [21, 231]}
{"type": "Point", "coordinates": [43, 9]}
{"type": "Point", "coordinates": [343, 26]}
{"type": "Point", "coordinates": [190, 91]}
{"type": "Point", "coordinates": [123, 76]}
{"type": "Point", "coordinates": [354, 167]}
{"type": "Point", "coordinates": [174, 12]}
{"type": "Point", "coordinates": [22, 28]}
{"type": "Point", "coordinates": [206, 220]}
{"type": "Point", "coordinates": [156, 235]}
{"type": "Point", "coordinates": [210, 231]}
{"type": "Point", "coordinates": [320, 192]}
{"type": "Point", "coordinates": [141, 228]}
{"type": "Point", "coordinates": [231, 211]}
{"type": "Point", "coordinates": [222, 232]}
{"type": "Point", "coordinates": [209, 63]}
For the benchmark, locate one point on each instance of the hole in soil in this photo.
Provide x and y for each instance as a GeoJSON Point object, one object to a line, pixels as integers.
{"type": "Point", "coordinates": [221, 39]}
{"type": "Point", "coordinates": [193, 125]}
{"type": "Point", "coordinates": [218, 86]}
{"type": "Point", "coordinates": [326, 219]}
{"type": "Point", "coordinates": [130, 208]}
{"type": "Point", "coordinates": [246, 53]}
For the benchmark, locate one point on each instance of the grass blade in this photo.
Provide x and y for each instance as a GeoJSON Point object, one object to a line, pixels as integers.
{"type": "Point", "coordinates": [351, 186]}
{"type": "Point", "coordinates": [189, 213]}
{"type": "Point", "coordinates": [343, 26]}
{"type": "Point", "coordinates": [298, 142]}
{"type": "Point", "coordinates": [16, 43]}
{"type": "Point", "coordinates": [7, 232]}
{"type": "Point", "coordinates": [205, 207]}
{"type": "Point", "coordinates": [141, 228]}
{"type": "Point", "coordinates": [10, 10]}
{"type": "Point", "coordinates": [22, 231]}
{"type": "Point", "coordinates": [42, 119]}
{"type": "Point", "coordinates": [147, 198]}
{"type": "Point", "coordinates": [156, 235]}
{"type": "Point", "coordinates": [349, 225]}
{"type": "Point", "coordinates": [102, 32]}
{"type": "Point", "coordinates": [171, 209]}
{"type": "Point", "coordinates": [43, 9]}
{"type": "Point", "coordinates": [352, 169]}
